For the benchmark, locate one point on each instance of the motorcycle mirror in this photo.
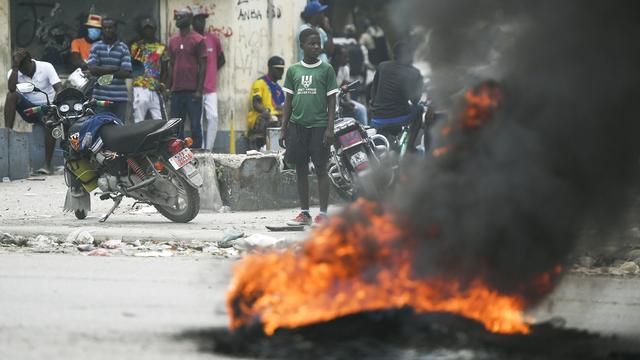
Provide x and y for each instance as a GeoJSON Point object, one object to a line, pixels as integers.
{"type": "Point", "coordinates": [354, 85]}
{"type": "Point", "coordinates": [105, 79]}
{"type": "Point", "coordinates": [25, 87]}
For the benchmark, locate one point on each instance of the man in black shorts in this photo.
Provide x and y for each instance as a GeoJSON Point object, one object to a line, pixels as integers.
{"type": "Point", "coordinates": [307, 123]}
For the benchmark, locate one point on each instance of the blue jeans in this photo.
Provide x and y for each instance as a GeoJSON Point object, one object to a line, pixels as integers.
{"type": "Point", "coordinates": [360, 113]}
{"type": "Point", "coordinates": [117, 108]}
{"type": "Point", "coordinates": [183, 104]}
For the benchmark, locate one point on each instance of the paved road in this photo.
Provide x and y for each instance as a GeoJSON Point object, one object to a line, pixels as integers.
{"type": "Point", "coordinates": [79, 307]}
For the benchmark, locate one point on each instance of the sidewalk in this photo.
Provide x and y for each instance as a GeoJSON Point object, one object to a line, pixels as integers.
{"type": "Point", "coordinates": [34, 207]}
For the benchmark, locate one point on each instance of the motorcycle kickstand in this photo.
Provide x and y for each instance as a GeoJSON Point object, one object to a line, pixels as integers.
{"type": "Point", "coordinates": [116, 203]}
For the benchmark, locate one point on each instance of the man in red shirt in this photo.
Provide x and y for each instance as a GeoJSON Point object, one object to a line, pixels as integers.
{"type": "Point", "coordinates": [188, 61]}
{"type": "Point", "coordinates": [215, 61]}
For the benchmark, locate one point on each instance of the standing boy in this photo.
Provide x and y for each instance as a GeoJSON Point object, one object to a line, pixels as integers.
{"type": "Point", "coordinates": [307, 127]}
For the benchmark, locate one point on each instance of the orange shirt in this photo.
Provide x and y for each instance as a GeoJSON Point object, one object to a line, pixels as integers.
{"type": "Point", "coordinates": [82, 46]}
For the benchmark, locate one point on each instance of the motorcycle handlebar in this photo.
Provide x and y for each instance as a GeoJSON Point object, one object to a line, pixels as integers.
{"type": "Point", "coordinates": [350, 87]}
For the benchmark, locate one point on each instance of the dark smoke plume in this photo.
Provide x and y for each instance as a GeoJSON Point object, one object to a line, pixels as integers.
{"type": "Point", "coordinates": [561, 152]}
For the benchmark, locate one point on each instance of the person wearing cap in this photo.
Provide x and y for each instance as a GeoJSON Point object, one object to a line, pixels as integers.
{"type": "Point", "coordinates": [266, 102]}
{"type": "Point", "coordinates": [81, 46]}
{"type": "Point", "coordinates": [188, 65]}
{"type": "Point", "coordinates": [110, 56]}
{"type": "Point", "coordinates": [314, 18]}
{"type": "Point", "coordinates": [215, 61]}
{"type": "Point", "coordinates": [149, 66]}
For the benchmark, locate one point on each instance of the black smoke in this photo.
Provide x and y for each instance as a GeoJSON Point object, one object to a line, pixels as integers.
{"type": "Point", "coordinates": [560, 154]}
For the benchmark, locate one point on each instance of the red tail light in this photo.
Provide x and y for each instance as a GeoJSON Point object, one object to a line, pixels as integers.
{"type": "Point", "coordinates": [175, 146]}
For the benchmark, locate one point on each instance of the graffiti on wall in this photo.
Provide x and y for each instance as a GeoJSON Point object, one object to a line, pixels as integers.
{"type": "Point", "coordinates": [255, 10]}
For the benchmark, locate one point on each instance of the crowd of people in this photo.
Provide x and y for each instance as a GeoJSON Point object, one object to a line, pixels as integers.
{"type": "Point", "coordinates": [186, 69]}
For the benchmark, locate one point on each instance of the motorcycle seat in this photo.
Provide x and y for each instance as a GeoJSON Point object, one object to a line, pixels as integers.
{"type": "Point", "coordinates": [128, 139]}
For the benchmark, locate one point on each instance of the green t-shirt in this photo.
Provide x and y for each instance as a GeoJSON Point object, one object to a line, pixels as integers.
{"type": "Point", "coordinates": [310, 85]}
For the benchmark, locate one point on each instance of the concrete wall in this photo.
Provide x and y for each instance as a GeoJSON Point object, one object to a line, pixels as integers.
{"type": "Point", "coordinates": [251, 31]}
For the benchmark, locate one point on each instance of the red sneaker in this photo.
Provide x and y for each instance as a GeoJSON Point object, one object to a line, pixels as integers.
{"type": "Point", "coordinates": [302, 219]}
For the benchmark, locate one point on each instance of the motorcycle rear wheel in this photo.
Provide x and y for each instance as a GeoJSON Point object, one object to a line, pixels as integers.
{"type": "Point", "coordinates": [188, 205]}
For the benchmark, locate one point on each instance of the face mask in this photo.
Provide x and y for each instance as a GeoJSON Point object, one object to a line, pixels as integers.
{"type": "Point", "coordinates": [93, 33]}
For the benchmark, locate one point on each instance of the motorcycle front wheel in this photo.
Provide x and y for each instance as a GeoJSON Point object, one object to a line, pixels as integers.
{"type": "Point", "coordinates": [80, 214]}
{"type": "Point", "coordinates": [188, 205]}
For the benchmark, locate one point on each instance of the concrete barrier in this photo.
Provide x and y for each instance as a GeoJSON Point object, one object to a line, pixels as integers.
{"type": "Point", "coordinates": [19, 167]}
{"type": "Point", "coordinates": [4, 152]}
{"type": "Point", "coordinates": [209, 192]}
{"type": "Point", "coordinates": [250, 183]}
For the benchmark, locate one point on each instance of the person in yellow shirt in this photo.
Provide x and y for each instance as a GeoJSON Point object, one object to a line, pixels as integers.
{"type": "Point", "coordinates": [267, 101]}
{"type": "Point", "coordinates": [81, 46]}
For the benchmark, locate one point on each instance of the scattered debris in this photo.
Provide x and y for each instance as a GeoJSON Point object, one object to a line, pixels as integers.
{"type": "Point", "coordinates": [144, 210]}
{"type": "Point", "coordinates": [111, 244]}
{"type": "Point", "coordinates": [36, 178]}
{"type": "Point", "coordinates": [99, 252]}
{"type": "Point", "coordinates": [285, 228]}
{"type": "Point", "coordinates": [263, 241]}
{"type": "Point", "coordinates": [229, 236]}
{"type": "Point", "coordinates": [8, 239]}
{"type": "Point", "coordinates": [41, 241]}
{"type": "Point", "coordinates": [85, 247]}
{"type": "Point", "coordinates": [627, 268]}
{"type": "Point", "coordinates": [80, 236]}
{"type": "Point", "coordinates": [163, 253]}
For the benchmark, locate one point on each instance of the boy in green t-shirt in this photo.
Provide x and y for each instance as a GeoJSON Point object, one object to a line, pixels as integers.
{"type": "Point", "coordinates": [307, 122]}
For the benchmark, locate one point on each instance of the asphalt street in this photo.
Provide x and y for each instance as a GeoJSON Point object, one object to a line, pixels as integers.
{"type": "Point", "coordinates": [73, 306]}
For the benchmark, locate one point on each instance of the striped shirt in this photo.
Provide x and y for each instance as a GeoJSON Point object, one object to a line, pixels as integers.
{"type": "Point", "coordinates": [111, 55]}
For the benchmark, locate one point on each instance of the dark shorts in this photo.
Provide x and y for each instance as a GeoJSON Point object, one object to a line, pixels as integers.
{"type": "Point", "coordinates": [24, 104]}
{"type": "Point", "coordinates": [304, 144]}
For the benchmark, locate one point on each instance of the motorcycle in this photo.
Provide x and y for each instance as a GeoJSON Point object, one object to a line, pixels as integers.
{"type": "Point", "coordinates": [145, 161]}
{"type": "Point", "coordinates": [357, 150]}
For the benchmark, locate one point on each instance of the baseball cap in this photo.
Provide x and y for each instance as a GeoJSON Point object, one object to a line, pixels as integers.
{"type": "Point", "coordinates": [147, 22]}
{"type": "Point", "coordinates": [314, 7]}
{"type": "Point", "coordinates": [200, 11]}
{"type": "Point", "coordinates": [183, 12]}
{"type": "Point", "coordinates": [276, 61]}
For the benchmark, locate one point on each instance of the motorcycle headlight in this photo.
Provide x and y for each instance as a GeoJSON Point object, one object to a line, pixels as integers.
{"type": "Point", "coordinates": [77, 107]}
{"type": "Point", "coordinates": [64, 108]}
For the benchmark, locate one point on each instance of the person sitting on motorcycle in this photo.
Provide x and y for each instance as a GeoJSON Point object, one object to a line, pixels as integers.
{"type": "Point", "coordinates": [397, 88]}
{"type": "Point", "coordinates": [340, 63]}
{"type": "Point", "coordinates": [44, 76]}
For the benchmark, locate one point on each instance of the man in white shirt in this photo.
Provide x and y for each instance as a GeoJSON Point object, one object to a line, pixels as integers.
{"type": "Point", "coordinates": [44, 77]}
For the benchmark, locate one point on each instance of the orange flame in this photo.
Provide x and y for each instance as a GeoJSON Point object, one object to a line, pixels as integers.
{"type": "Point", "coordinates": [357, 265]}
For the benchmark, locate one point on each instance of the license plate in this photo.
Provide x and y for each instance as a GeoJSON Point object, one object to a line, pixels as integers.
{"type": "Point", "coordinates": [359, 161]}
{"type": "Point", "coordinates": [350, 138]}
{"type": "Point", "coordinates": [181, 159]}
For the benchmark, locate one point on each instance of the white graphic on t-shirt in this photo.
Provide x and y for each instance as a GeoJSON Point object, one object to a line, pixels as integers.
{"type": "Point", "coordinates": [307, 80]}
